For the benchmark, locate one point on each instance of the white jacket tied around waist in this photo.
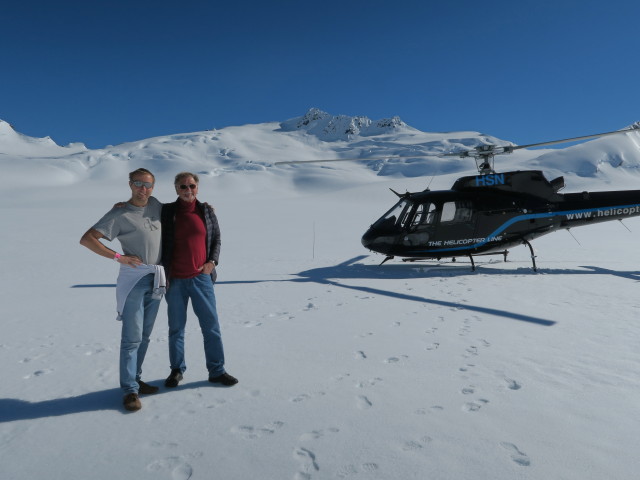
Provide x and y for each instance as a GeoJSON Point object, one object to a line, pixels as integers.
{"type": "Point", "coordinates": [129, 277]}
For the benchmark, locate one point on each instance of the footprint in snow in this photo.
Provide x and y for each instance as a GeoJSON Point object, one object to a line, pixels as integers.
{"type": "Point", "coordinates": [250, 432]}
{"type": "Point", "coordinates": [363, 402]}
{"type": "Point", "coordinates": [368, 383]}
{"type": "Point", "coordinates": [250, 324]}
{"type": "Point", "coordinates": [176, 466]}
{"type": "Point", "coordinates": [307, 460]}
{"type": "Point", "coordinates": [512, 384]}
{"type": "Point", "coordinates": [317, 434]}
{"type": "Point", "coordinates": [466, 367]}
{"type": "Point", "coordinates": [305, 396]}
{"type": "Point", "coordinates": [348, 470]}
{"type": "Point", "coordinates": [474, 406]}
{"type": "Point", "coordinates": [472, 351]}
{"type": "Point", "coordinates": [38, 373]}
{"type": "Point", "coordinates": [516, 455]}
{"type": "Point", "coordinates": [415, 445]}
{"type": "Point", "coordinates": [394, 360]}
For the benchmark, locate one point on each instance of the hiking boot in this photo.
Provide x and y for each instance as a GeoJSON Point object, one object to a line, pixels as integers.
{"type": "Point", "coordinates": [132, 402]}
{"type": "Point", "coordinates": [173, 379]}
{"type": "Point", "coordinates": [225, 379]}
{"type": "Point", "coordinates": [146, 389]}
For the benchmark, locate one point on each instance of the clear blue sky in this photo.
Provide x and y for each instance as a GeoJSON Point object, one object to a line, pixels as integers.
{"type": "Point", "coordinates": [107, 72]}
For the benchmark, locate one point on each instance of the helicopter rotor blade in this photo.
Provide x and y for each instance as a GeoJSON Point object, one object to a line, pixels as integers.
{"type": "Point", "coordinates": [382, 157]}
{"type": "Point", "coordinates": [482, 151]}
{"type": "Point", "coordinates": [566, 140]}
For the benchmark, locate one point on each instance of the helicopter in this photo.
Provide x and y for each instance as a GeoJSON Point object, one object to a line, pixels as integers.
{"type": "Point", "coordinates": [489, 213]}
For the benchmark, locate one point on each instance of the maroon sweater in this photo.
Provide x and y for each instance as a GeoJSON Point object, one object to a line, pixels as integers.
{"type": "Point", "coordinates": [189, 252]}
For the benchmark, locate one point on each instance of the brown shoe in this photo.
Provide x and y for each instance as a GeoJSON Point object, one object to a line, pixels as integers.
{"type": "Point", "coordinates": [146, 389]}
{"type": "Point", "coordinates": [132, 402]}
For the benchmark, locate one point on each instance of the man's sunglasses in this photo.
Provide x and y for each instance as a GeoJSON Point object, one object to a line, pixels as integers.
{"type": "Point", "coordinates": [191, 186]}
{"type": "Point", "coordinates": [138, 183]}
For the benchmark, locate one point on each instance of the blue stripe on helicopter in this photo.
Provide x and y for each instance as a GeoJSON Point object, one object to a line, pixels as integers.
{"type": "Point", "coordinates": [530, 216]}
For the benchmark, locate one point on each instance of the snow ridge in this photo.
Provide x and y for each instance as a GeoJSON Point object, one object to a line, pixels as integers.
{"type": "Point", "coordinates": [330, 128]}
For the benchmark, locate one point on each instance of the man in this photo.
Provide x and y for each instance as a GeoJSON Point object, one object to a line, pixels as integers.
{"type": "Point", "coordinates": [140, 282]}
{"type": "Point", "coordinates": [190, 250]}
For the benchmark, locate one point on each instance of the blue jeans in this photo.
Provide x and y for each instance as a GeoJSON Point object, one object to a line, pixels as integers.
{"type": "Point", "coordinates": [138, 316]}
{"type": "Point", "coordinates": [203, 300]}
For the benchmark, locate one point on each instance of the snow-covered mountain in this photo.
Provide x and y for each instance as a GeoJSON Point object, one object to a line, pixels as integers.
{"type": "Point", "coordinates": [15, 143]}
{"type": "Point", "coordinates": [315, 135]}
{"type": "Point", "coordinates": [343, 127]}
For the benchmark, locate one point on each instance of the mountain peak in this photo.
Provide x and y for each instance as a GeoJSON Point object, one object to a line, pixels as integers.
{"type": "Point", "coordinates": [6, 127]}
{"type": "Point", "coordinates": [341, 127]}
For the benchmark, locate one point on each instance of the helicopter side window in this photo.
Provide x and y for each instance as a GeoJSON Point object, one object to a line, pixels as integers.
{"type": "Point", "coordinates": [448, 212]}
{"type": "Point", "coordinates": [456, 212]}
{"type": "Point", "coordinates": [424, 215]}
{"type": "Point", "coordinates": [432, 214]}
{"type": "Point", "coordinates": [420, 215]}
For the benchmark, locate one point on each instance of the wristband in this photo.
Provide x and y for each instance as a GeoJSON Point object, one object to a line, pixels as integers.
{"type": "Point", "coordinates": [117, 256]}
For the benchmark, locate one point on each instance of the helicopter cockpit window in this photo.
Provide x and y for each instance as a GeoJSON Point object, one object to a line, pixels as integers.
{"type": "Point", "coordinates": [394, 217]}
{"type": "Point", "coordinates": [457, 212]}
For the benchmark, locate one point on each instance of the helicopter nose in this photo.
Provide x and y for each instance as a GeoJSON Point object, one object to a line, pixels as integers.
{"type": "Point", "coordinates": [374, 241]}
{"type": "Point", "coordinates": [367, 239]}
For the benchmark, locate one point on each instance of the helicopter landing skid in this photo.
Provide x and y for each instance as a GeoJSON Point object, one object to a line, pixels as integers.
{"type": "Point", "coordinates": [473, 265]}
{"type": "Point", "coordinates": [387, 258]}
{"type": "Point", "coordinates": [533, 256]}
{"type": "Point", "coordinates": [453, 259]}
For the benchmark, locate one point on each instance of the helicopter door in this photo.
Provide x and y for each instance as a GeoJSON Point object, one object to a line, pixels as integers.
{"type": "Point", "coordinates": [457, 221]}
{"type": "Point", "coordinates": [421, 224]}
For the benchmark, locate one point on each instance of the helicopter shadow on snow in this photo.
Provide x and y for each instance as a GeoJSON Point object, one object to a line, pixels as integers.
{"type": "Point", "coordinates": [352, 270]}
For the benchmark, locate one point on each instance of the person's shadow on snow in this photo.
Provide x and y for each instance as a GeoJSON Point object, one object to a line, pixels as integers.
{"type": "Point", "coordinates": [13, 409]}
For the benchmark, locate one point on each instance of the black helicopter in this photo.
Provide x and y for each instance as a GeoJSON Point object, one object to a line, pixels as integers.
{"type": "Point", "coordinates": [488, 213]}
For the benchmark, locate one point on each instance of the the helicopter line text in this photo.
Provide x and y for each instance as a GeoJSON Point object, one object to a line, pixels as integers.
{"type": "Point", "coordinates": [462, 241]}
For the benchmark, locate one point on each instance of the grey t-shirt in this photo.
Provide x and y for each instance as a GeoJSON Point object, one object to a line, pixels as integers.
{"type": "Point", "coordinates": [137, 228]}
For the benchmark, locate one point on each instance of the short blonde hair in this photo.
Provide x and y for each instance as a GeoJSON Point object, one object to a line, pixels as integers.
{"type": "Point", "coordinates": [141, 171]}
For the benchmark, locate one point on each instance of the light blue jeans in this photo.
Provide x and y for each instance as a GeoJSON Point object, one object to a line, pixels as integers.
{"type": "Point", "coordinates": [203, 300]}
{"type": "Point", "coordinates": [138, 316]}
